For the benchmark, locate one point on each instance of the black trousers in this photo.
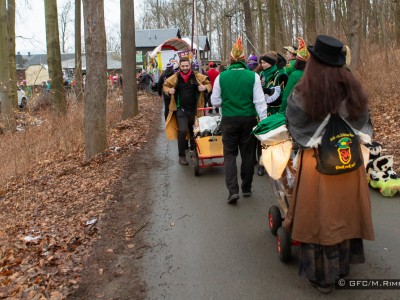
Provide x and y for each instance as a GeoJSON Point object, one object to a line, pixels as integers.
{"type": "Point", "coordinates": [185, 120]}
{"type": "Point", "coordinates": [236, 136]}
{"type": "Point", "coordinates": [167, 100]}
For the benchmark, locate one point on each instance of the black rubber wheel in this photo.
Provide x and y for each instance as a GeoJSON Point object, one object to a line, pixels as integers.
{"type": "Point", "coordinates": [23, 103]}
{"type": "Point", "coordinates": [284, 243]}
{"type": "Point", "coordinates": [274, 219]}
{"type": "Point", "coordinates": [196, 163]}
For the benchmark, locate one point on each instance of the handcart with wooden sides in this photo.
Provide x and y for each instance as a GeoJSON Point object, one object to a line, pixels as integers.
{"type": "Point", "coordinates": [209, 151]}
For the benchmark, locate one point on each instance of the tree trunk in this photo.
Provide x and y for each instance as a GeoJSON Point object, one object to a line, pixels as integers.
{"type": "Point", "coordinates": [311, 27]}
{"type": "Point", "coordinates": [11, 52]}
{"type": "Point", "coordinates": [261, 35]}
{"type": "Point", "coordinates": [248, 23]}
{"type": "Point", "coordinates": [96, 85]}
{"type": "Point", "coordinates": [272, 31]}
{"type": "Point", "coordinates": [57, 92]}
{"type": "Point", "coordinates": [280, 32]}
{"type": "Point", "coordinates": [6, 104]}
{"type": "Point", "coordinates": [397, 21]}
{"type": "Point", "coordinates": [354, 16]}
{"type": "Point", "coordinates": [78, 53]}
{"type": "Point", "coordinates": [129, 91]}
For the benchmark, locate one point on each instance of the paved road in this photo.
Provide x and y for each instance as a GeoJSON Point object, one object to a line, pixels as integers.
{"type": "Point", "coordinates": [203, 248]}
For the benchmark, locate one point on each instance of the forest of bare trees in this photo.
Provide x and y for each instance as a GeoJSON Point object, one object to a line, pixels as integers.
{"type": "Point", "coordinates": [364, 25]}
{"type": "Point", "coordinates": [270, 24]}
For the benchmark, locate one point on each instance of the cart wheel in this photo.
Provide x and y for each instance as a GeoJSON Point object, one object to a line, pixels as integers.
{"type": "Point", "coordinates": [284, 245]}
{"type": "Point", "coordinates": [196, 163]}
{"type": "Point", "coordinates": [274, 219]}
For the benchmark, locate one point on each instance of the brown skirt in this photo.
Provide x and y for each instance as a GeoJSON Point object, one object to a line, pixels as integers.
{"type": "Point", "coordinates": [329, 209]}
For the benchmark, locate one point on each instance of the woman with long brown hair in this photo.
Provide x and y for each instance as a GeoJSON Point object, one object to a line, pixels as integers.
{"type": "Point", "coordinates": [329, 214]}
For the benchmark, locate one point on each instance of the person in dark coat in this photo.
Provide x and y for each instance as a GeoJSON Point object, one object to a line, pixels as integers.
{"type": "Point", "coordinates": [146, 81]}
{"type": "Point", "coordinates": [166, 97]}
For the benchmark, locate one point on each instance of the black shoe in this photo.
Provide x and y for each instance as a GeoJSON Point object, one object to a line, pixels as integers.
{"type": "Point", "coordinates": [260, 171]}
{"type": "Point", "coordinates": [232, 199]}
{"type": "Point", "coordinates": [183, 161]}
{"type": "Point", "coordinates": [322, 288]}
{"type": "Point", "coordinates": [246, 194]}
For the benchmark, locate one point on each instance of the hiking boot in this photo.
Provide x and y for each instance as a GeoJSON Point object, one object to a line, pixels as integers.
{"type": "Point", "coordinates": [183, 161]}
{"type": "Point", "coordinates": [233, 198]}
{"type": "Point", "coordinates": [322, 288]}
{"type": "Point", "coordinates": [246, 194]}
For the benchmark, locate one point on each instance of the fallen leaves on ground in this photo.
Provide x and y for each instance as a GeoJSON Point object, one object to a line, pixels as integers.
{"type": "Point", "coordinates": [49, 217]}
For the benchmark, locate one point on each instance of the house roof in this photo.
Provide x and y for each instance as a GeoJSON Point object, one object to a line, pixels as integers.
{"type": "Point", "coordinates": [113, 62]}
{"type": "Point", "coordinates": [204, 45]}
{"type": "Point", "coordinates": [154, 37]}
{"type": "Point", "coordinates": [145, 38]}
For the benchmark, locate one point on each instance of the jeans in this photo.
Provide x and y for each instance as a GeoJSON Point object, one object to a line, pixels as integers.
{"type": "Point", "coordinates": [185, 120]}
{"type": "Point", "coordinates": [236, 136]}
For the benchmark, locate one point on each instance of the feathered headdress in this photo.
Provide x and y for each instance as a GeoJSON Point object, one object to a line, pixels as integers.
{"type": "Point", "coordinates": [237, 52]}
{"type": "Point", "coordinates": [302, 52]}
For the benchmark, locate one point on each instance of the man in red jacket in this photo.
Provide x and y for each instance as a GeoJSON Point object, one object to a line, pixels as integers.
{"type": "Point", "coordinates": [212, 73]}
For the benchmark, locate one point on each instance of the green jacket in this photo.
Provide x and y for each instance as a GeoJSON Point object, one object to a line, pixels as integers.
{"type": "Point", "coordinates": [294, 78]}
{"type": "Point", "coordinates": [290, 67]}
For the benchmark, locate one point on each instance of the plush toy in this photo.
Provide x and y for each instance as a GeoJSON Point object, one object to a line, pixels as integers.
{"type": "Point", "coordinates": [380, 171]}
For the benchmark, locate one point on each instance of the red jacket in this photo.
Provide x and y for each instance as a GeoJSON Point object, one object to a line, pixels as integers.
{"type": "Point", "coordinates": [212, 74]}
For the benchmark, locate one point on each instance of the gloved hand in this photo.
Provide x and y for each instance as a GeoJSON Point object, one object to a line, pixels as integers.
{"type": "Point", "coordinates": [276, 93]}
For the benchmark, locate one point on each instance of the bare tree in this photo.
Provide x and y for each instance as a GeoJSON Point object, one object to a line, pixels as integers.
{"type": "Point", "coordinates": [11, 51]}
{"type": "Point", "coordinates": [128, 50]}
{"type": "Point", "coordinates": [311, 27]}
{"type": "Point", "coordinates": [354, 14]}
{"type": "Point", "coordinates": [65, 21]}
{"type": "Point", "coordinates": [396, 4]}
{"type": "Point", "coordinates": [261, 34]}
{"type": "Point", "coordinates": [113, 39]}
{"type": "Point", "coordinates": [96, 85]}
{"type": "Point", "coordinates": [78, 53]}
{"type": "Point", "coordinates": [248, 21]}
{"type": "Point", "coordinates": [272, 24]}
{"type": "Point", "coordinates": [58, 98]}
{"type": "Point", "coordinates": [5, 101]}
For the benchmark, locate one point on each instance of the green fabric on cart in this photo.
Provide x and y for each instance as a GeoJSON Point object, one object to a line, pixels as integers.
{"type": "Point", "coordinates": [270, 123]}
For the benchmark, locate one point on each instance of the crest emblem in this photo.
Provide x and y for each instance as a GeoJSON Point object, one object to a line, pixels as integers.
{"type": "Point", "coordinates": [344, 150]}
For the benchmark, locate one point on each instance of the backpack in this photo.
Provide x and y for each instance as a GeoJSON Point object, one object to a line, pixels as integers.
{"type": "Point", "coordinates": [339, 151]}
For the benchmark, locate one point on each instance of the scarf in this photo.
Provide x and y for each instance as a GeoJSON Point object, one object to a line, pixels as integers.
{"type": "Point", "coordinates": [186, 77]}
{"type": "Point", "coordinates": [268, 75]}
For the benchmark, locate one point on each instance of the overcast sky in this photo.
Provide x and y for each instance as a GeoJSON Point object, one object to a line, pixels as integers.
{"type": "Point", "coordinates": [30, 24]}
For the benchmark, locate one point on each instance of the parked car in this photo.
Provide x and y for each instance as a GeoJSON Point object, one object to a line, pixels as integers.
{"type": "Point", "coordinates": [22, 99]}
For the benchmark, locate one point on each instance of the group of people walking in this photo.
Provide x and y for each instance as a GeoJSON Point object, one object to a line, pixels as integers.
{"type": "Point", "coordinates": [329, 215]}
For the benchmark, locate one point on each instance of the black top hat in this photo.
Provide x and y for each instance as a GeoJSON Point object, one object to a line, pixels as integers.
{"type": "Point", "coordinates": [328, 50]}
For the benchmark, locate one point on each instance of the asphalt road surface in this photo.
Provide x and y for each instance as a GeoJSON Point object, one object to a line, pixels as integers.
{"type": "Point", "coordinates": [202, 248]}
